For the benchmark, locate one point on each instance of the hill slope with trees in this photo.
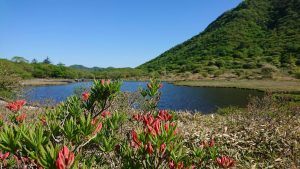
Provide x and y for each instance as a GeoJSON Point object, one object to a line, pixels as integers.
{"type": "Point", "coordinates": [254, 34]}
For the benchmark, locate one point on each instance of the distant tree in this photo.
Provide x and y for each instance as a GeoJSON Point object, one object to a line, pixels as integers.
{"type": "Point", "coordinates": [19, 59]}
{"type": "Point", "coordinates": [287, 60]}
{"type": "Point", "coordinates": [34, 61]}
{"type": "Point", "coordinates": [47, 61]}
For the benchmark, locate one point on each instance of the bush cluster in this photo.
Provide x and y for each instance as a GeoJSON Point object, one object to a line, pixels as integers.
{"type": "Point", "coordinates": [84, 132]}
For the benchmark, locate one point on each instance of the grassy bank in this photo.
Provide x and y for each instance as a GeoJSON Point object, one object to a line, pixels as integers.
{"type": "Point", "coordinates": [44, 82]}
{"type": "Point", "coordinates": [262, 85]}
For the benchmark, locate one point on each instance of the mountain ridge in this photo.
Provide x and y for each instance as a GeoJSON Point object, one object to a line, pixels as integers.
{"type": "Point", "coordinates": [255, 33]}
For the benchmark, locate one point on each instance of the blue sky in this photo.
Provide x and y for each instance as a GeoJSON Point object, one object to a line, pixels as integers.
{"type": "Point", "coordinates": [118, 33]}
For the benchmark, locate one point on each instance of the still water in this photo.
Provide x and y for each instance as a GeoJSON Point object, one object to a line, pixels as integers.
{"type": "Point", "coordinates": [203, 99]}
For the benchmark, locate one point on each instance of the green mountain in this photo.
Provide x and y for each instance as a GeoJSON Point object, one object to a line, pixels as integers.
{"type": "Point", "coordinates": [255, 33]}
{"type": "Point", "coordinates": [81, 67]}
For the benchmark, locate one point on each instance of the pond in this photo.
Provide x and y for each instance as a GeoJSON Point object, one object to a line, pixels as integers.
{"type": "Point", "coordinates": [201, 99]}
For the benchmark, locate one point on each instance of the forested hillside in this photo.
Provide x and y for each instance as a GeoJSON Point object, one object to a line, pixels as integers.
{"type": "Point", "coordinates": [20, 67]}
{"type": "Point", "coordinates": [42, 70]}
{"type": "Point", "coordinates": [255, 34]}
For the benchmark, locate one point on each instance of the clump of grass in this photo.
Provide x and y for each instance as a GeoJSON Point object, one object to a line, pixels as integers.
{"type": "Point", "coordinates": [265, 135]}
{"type": "Point", "coordinates": [229, 110]}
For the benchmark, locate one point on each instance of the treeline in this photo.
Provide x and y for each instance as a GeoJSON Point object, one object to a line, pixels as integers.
{"type": "Point", "coordinates": [24, 69]}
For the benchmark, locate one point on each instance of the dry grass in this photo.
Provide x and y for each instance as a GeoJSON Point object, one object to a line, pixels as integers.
{"type": "Point", "coordinates": [44, 82]}
{"type": "Point", "coordinates": [263, 85]}
{"type": "Point", "coordinates": [266, 135]}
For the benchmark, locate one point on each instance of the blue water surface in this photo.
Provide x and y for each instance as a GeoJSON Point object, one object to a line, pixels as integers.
{"type": "Point", "coordinates": [203, 99]}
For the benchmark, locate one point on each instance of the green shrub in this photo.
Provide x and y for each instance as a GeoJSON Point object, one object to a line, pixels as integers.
{"type": "Point", "coordinates": [297, 74]}
{"type": "Point", "coordinates": [268, 70]}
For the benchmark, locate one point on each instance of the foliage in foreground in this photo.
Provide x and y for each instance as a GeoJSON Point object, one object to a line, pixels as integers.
{"type": "Point", "coordinates": [85, 133]}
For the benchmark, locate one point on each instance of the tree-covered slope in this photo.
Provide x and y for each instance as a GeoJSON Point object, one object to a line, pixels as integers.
{"type": "Point", "coordinates": [254, 33]}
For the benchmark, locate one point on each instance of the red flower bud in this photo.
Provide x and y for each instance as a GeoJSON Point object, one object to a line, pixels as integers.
{"type": "Point", "coordinates": [162, 148]}
{"type": "Point", "coordinates": [94, 121]}
{"type": "Point", "coordinates": [98, 128]}
{"type": "Point", "coordinates": [164, 115]}
{"type": "Point", "coordinates": [85, 96]}
{"type": "Point", "coordinates": [16, 105]}
{"type": "Point", "coordinates": [211, 143]}
{"type": "Point", "coordinates": [156, 126]}
{"type": "Point", "coordinates": [171, 165]}
{"type": "Point", "coordinates": [65, 159]}
{"type": "Point", "coordinates": [43, 121]}
{"type": "Point", "coordinates": [148, 119]}
{"type": "Point", "coordinates": [167, 127]}
{"type": "Point", "coordinates": [105, 114]}
{"type": "Point", "coordinates": [4, 156]}
{"type": "Point", "coordinates": [21, 117]}
{"type": "Point", "coordinates": [135, 141]}
{"type": "Point", "coordinates": [180, 165]}
{"type": "Point", "coordinates": [137, 117]}
{"type": "Point", "coordinates": [225, 162]}
{"type": "Point", "coordinates": [149, 129]}
{"type": "Point", "coordinates": [149, 148]}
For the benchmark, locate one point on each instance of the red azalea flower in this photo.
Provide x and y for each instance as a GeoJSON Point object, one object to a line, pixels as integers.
{"type": "Point", "coordinates": [225, 162]}
{"type": "Point", "coordinates": [137, 117]}
{"type": "Point", "coordinates": [21, 117]}
{"type": "Point", "coordinates": [65, 159]}
{"type": "Point", "coordinates": [148, 119]}
{"type": "Point", "coordinates": [135, 141]}
{"type": "Point", "coordinates": [85, 96]}
{"type": "Point", "coordinates": [167, 127]}
{"type": "Point", "coordinates": [4, 163]}
{"type": "Point", "coordinates": [105, 114]}
{"type": "Point", "coordinates": [176, 130]}
{"type": "Point", "coordinates": [164, 115]}
{"type": "Point", "coordinates": [94, 121]}
{"type": "Point", "coordinates": [43, 121]}
{"type": "Point", "coordinates": [149, 129]}
{"type": "Point", "coordinates": [16, 105]}
{"type": "Point", "coordinates": [149, 148]}
{"type": "Point", "coordinates": [98, 128]}
{"type": "Point", "coordinates": [193, 166]}
{"type": "Point", "coordinates": [171, 165]}
{"type": "Point", "coordinates": [156, 126]}
{"type": "Point", "coordinates": [162, 148]}
{"type": "Point", "coordinates": [180, 165]}
{"type": "Point", "coordinates": [105, 82]}
{"type": "Point", "coordinates": [4, 156]}
{"type": "Point", "coordinates": [211, 143]}
{"type": "Point", "coordinates": [206, 144]}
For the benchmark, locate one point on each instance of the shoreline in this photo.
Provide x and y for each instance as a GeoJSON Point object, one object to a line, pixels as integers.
{"type": "Point", "coordinates": [49, 82]}
{"type": "Point", "coordinates": [291, 86]}
{"type": "Point", "coordinates": [260, 85]}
